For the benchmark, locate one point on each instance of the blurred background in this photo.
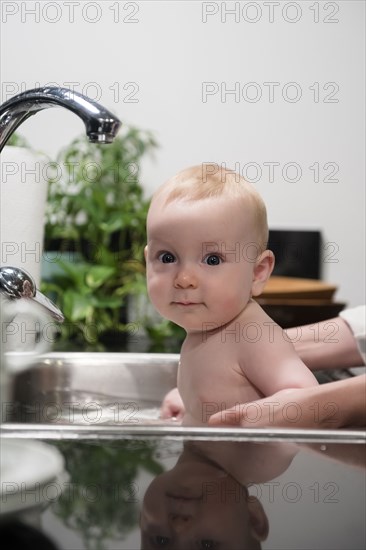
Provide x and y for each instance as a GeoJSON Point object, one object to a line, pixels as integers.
{"type": "Point", "coordinates": [274, 90]}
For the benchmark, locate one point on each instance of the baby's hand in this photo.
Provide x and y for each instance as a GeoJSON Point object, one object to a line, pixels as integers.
{"type": "Point", "coordinates": [172, 406]}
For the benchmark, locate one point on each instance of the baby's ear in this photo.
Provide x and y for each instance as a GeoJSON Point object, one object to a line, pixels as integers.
{"type": "Point", "coordinates": [145, 253]}
{"type": "Point", "coordinates": [262, 271]}
{"type": "Point", "coordinates": [259, 526]}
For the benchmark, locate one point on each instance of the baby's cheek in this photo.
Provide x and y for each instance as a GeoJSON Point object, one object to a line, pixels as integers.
{"type": "Point", "coordinates": [233, 304]}
{"type": "Point", "coordinates": [157, 291]}
{"type": "Point", "coordinates": [153, 286]}
{"type": "Point", "coordinates": [233, 298]}
{"type": "Point", "coordinates": [153, 290]}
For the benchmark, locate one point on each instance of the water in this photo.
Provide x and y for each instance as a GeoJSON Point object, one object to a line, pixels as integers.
{"type": "Point", "coordinates": [83, 408]}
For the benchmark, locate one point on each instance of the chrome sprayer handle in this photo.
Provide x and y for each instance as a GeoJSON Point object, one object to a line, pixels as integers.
{"type": "Point", "coordinates": [15, 283]}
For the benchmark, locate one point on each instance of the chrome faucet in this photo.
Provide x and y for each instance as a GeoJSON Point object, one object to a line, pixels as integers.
{"type": "Point", "coordinates": [16, 283]}
{"type": "Point", "coordinates": [100, 126]}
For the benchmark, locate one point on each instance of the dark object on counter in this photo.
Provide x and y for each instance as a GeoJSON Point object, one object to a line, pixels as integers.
{"type": "Point", "coordinates": [297, 252]}
{"type": "Point", "coordinates": [291, 301]}
{"type": "Point", "coordinates": [15, 534]}
{"type": "Point", "coordinates": [300, 312]}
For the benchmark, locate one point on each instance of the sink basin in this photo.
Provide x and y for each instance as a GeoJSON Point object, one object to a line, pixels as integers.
{"type": "Point", "coordinates": [87, 395]}
{"type": "Point", "coordinates": [92, 388]}
{"type": "Point", "coordinates": [101, 412]}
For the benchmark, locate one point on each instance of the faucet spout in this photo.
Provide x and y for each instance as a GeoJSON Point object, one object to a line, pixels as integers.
{"type": "Point", "coordinates": [101, 125]}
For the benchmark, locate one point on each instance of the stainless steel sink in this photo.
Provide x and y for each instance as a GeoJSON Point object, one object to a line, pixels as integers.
{"type": "Point", "coordinates": [116, 395]}
{"type": "Point", "coordinates": [92, 388]}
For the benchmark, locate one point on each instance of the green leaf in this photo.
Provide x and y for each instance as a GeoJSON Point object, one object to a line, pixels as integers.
{"type": "Point", "coordinates": [111, 302]}
{"type": "Point", "coordinates": [115, 222]}
{"type": "Point", "coordinates": [76, 306]}
{"type": "Point", "coordinates": [97, 275]}
{"type": "Point", "coordinates": [75, 270]}
{"type": "Point", "coordinates": [16, 140]}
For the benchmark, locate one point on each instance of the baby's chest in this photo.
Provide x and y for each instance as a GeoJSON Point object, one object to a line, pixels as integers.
{"type": "Point", "coordinates": [206, 367]}
{"type": "Point", "coordinates": [208, 382]}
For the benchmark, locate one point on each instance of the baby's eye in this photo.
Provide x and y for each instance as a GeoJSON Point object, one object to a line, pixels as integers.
{"type": "Point", "coordinates": [212, 259]}
{"type": "Point", "coordinates": [207, 544]}
{"type": "Point", "coordinates": [161, 541]}
{"type": "Point", "coordinates": [166, 258]}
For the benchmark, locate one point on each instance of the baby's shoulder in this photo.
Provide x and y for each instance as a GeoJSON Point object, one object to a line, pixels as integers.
{"type": "Point", "coordinates": [254, 316]}
{"type": "Point", "coordinates": [260, 333]}
{"type": "Point", "coordinates": [255, 312]}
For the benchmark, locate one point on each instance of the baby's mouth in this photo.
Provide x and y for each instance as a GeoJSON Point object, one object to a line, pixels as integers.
{"type": "Point", "coordinates": [184, 497]}
{"type": "Point", "coordinates": [186, 303]}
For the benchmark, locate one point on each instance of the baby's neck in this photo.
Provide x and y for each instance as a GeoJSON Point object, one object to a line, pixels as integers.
{"type": "Point", "coordinates": [213, 328]}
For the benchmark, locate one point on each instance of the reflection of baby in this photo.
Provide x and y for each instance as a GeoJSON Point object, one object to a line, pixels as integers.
{"type": "Point", "coordinates": [203, 502]}
{"type": "Point", "coordinates": [206, 258]}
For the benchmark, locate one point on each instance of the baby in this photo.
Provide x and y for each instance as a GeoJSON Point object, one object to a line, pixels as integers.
{"type": "Point", "coordinates": [206, 259]}
{"type": "Point", "coordinates": [204, 500]}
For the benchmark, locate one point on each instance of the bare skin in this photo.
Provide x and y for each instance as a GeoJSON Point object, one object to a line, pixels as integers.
{"type": "Point", "coordinates": [328, 406]}
{"type": "Point", "coordinates": [202, 275]}
{"type": "Point", "coordinates": [328, 344]}
{"type": "Point", "coordinates": [204, 502]}
{"type": "Point", "coordinates": [240, 362]}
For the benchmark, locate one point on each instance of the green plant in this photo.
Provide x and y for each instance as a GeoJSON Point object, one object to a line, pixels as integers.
{"type": "Point", "coordinates": [101, 499]}
{"type": "Point", "coordinates": [96, 214]}
{"type": "Point", "coordinates": [164, 336]}
{"type": "Point", "coordinates": [16, 140]}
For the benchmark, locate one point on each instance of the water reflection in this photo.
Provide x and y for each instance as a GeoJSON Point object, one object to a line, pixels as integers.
{"type": "Point", "coordinates": [205, 500]}
{"type": "Point", "coordinates": [131, 494]}
{"type": "Point", "coordinates": [101, 499]}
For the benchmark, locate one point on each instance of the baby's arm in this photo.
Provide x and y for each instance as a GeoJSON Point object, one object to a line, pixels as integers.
{"type": "Point", "coordinates": [271, 363]}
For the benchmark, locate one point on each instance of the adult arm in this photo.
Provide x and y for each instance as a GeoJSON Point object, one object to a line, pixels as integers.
{"type": "Point", "coordinates": [332, 344]}
{"type": "Point", "coordinates": [327, 406]}
{"type": "Point", "coordinates": [335, 343]}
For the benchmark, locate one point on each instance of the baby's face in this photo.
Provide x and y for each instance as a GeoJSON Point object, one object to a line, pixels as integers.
{"type": "Point", "coordinates": [194, 507]}
{"type": "Point", "coordinates": [200, 261]}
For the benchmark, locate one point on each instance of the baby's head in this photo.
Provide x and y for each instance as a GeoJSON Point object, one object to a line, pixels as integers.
{"type": "Point", "coordinates": [197, 504]}
{"type": "Point", "coordinates": [206, 254]}
{"type": "Point", "coordinates": [211, 181]}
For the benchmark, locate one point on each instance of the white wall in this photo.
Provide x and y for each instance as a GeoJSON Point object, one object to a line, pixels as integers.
{"type": "Point", "coordinates": [166, 51]}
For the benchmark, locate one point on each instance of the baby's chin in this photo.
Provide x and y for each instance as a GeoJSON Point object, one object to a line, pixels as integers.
{"type": "Point", "coordinates": [196, 325]}
{"type": "Point", "coordinates": [189, 325]}
{"type": "Point", "coordinates": [207, 327]}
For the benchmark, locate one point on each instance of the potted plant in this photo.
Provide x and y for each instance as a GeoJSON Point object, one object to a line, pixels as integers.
{"type": "Point", "coordinates": [95, 216]}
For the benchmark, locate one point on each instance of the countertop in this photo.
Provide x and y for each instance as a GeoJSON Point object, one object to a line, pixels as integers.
{"type": "Point", "coordinates": [189, 494]}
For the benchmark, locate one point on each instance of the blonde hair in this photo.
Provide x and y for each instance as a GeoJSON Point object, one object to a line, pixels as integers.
{"type": "Point", "coordinates": [210, 180]}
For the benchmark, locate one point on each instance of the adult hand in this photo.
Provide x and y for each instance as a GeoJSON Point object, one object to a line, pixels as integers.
{"type": "Point", "coordinates": [327, 406]}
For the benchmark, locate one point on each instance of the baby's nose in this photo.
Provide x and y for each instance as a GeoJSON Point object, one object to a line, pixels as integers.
{"type": "Point", "coordinates": [185, 279]}
{"type": "Point", "coordinates": [180, 522]}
